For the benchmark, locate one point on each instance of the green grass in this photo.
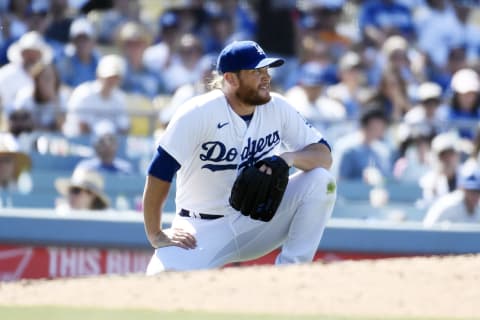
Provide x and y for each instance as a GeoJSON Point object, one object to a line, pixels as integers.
{"type": "Point", "coordinates": [64, 313]}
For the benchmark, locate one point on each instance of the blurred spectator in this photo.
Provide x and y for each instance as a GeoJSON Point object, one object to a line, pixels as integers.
{"type": "Point", "coordinates": [105, 142]}
{"type": "Point", "coordinates": [17, 17]}
{"type": "Point", "coordinates": [308, 98]}
{"type": "Point", "coordinates": [46, 100]}
{"type": "Point", "coordinates": [20, 122]}
{"type": "Point", "coordinates": [98, 100]}
{"type": "Point", "coordinates": [190, 14]}
{"type": "Point", "coordinates": [12, 162]}
{"type": "Point", "coordinates": [456, 60]}
{"type": "Point", "coordinates": [321, 18]}
{"type": "Point", "coordinates": [310, 50]}
{"type": "Point", "coordinates": [391, 94]}
{"type": "Point", "coordinates": [461, 205]}
{"type": "Point", "coordinates": [185, 67]}
{"type": "Point", "coordinates": [189, 90]}
{"type": "Point", "coordinates": [219, 29]}
{"type": "Point", "coordinates": [398, 55]}
{"type": "Point", "coordinates": [429, 97]}
{"type": "Point", "coordinates": [79, 61]}
{"type": "Point", "coordinates": [351, 90]}
{"type": "Point", "coordinates": [132, 40]}
{"type": "Point", "coordinates": [121, 12]}
{"type": "Point", "coordinates": [467, 30]}
{"type": "Point", "coordinates": [38, 16]}
{"type": "Point", "coordinates": [241, 14]}
{"type": "Point", "coordinates": [473, 160]}
{"type": "Point", "coordinates": [464, 109]}
{"type": "Point", "coordinates": [12, 19]}
{"type": "Point", "coordinates": [158, 56]}
{"type": "Point", "coordinates": [442, 176]}
{"type": "Point", "coordinates": [414, 158]}
{"type": "Point", "coordinates": [434, 24]}
{"type": "Point", "coordinates": [379, 19]}
{"type": "Point", "coordinates": [23, 55]}
{"type": "Point", "coordinates": [365, 148]}
{"type": "Point", "coordinates": [84, 190]}
{"type": "Point", "coordinates": [62, 17]}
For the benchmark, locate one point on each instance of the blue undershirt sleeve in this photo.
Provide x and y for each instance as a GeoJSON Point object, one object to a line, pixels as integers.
{"type": "Point", "coordinates": [163, 165]}
{"type": "Point", "coordinates": [323, 141]}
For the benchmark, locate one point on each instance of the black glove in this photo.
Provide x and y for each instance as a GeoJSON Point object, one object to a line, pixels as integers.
{"type": "Point", "coordinates": [258, 194]}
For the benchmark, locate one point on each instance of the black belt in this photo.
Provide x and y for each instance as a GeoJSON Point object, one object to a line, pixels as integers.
{"type": "Point", "coordinates": [186, 213]}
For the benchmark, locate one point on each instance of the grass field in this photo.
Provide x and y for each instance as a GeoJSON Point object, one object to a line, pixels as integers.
{"type": "Point", "coordinates": [63, 313]}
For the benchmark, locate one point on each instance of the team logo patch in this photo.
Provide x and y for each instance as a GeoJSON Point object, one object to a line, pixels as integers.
{"type": "Point", "coordinates": [331, 187]}
{"type": "Point", "coordinates": [259, 50]}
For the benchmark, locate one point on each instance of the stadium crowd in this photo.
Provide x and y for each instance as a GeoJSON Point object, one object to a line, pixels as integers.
{"type": "Point", "coordinates": [394, 85]}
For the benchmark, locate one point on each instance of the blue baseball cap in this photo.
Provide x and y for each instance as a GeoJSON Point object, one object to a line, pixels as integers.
{"type": "Point", "coordinates": [469, 180]}
{"type": "Point", "coordinates": [244, 55]}
{"type": "Point", "coordinates": [313, 74]}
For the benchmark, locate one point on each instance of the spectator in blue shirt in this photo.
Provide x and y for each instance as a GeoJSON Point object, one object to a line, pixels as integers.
{"type": "Point", "coordinates": [80, 60]}
{"type": "Point", "coordinates": [380, 19]}
{"type": "Point", "coordinates": [106, 146]}
{"type": "Point", "coordinates": [133, 40]}
{"type": "Point", "coordinates": [366, 148]}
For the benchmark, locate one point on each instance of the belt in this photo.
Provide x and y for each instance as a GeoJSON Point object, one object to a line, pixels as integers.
{"type": "Point", "coordinates": [205, 216]}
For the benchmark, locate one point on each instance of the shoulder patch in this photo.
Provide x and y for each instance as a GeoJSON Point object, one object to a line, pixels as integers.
{"type": "Point", "coordinates": [331, 187]}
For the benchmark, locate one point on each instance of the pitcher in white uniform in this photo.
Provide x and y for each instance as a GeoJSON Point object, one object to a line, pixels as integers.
{"type": "Point", "coordinates": [210, 139]}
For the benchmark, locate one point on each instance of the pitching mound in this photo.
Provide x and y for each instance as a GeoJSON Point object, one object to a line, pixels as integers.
{"type": "Point", "coordinates": [425, 287]}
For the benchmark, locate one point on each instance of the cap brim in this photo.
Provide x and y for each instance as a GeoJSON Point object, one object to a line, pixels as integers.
{"type": "Point", "coordinates": [270, 62]}
{"type": "Point", "coordinates": [14, 53]}
{"type": "Point", "coordinates": [467, 89]}
{"type": "Point", "coordinates": [64, 184]}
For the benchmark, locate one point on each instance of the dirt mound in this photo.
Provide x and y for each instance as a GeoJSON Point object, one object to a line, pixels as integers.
{"type": "Point", "coordinates": [436, 286]}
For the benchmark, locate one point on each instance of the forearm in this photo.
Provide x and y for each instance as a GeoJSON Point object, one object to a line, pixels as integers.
{"type": "Point", "coordinates": [154, 196]}
{"type": "Point", "coordinates": [315, 155]}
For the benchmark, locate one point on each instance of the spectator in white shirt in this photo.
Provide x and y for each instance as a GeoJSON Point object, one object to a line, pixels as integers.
{"type": "Point", "coordinates": [98, 100]}
{"type": "Point", "coordinates": [461, 205]}
{"type": "Point", "coordinates": [443, 175]}
{"type": "Point", "coordinates": [308, 96]}
{"type": "Point", "coordinates": [429, 107]}
{"type": "Point", "coordinates": [46, 100]}
{"type": "Point", "coordinates": [30, 49]}
{"type": "Point", "coordinates": [186, 63]}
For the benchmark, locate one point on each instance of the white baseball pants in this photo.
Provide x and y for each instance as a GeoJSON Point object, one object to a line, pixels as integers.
{"type": "Point", "coordinates": [297, 226]}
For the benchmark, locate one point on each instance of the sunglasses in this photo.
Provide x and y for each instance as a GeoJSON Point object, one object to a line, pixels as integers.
{"type": "Point", "coordinates": [77, 190]}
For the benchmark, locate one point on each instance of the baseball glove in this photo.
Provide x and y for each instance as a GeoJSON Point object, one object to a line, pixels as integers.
{"type": "Point", "coordinates": [258, 194]}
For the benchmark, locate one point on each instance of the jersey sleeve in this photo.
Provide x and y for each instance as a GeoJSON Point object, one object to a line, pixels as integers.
{"type": "Point", "coordinates": [182, 136]}
{"type": "Point", "coordinates": [296, 131]}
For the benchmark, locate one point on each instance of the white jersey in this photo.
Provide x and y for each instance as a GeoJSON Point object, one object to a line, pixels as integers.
{"type": "Point", "coordinates": [451, 208]}
{"type": "Point", "coordinates": [212, 143]}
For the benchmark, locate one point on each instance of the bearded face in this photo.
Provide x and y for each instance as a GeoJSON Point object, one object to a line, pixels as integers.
{"type": "Point", "coordinates": [254, 87]}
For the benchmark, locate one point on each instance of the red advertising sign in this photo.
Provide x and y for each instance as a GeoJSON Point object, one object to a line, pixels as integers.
{"type": "Point", "coordinates": [17, 262]}
{"type": "Point", "coordinates": [20, 262]}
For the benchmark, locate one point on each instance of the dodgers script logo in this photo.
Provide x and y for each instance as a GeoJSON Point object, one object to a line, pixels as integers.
{"type": "Point", "coordinates": [219, 157]}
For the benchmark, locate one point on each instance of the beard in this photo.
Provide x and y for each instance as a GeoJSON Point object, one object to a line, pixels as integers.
{"type": "Point", "coordinates": [250, 96]}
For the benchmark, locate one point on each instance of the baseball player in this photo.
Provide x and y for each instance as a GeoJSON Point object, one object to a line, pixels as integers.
{"type": "Point", "coordinates": [210, 140]}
